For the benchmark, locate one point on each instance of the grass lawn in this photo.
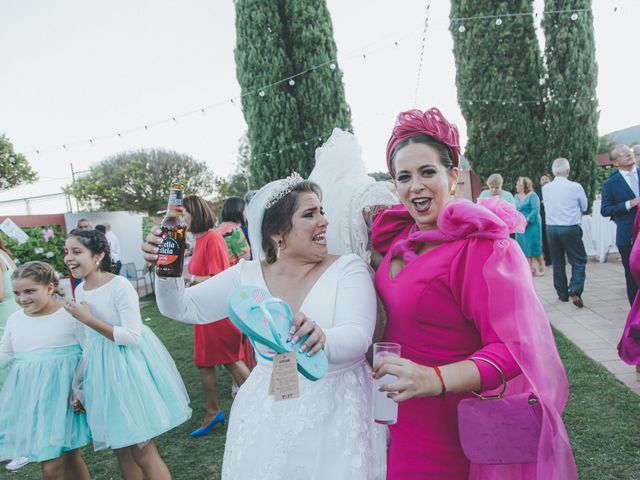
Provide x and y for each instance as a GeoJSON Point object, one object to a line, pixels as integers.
{"type": "Point", "coordinates": [602, 419]}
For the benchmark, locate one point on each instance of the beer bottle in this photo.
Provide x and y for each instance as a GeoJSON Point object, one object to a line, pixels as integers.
{"type": "Point", "coordinates": [174, 232]}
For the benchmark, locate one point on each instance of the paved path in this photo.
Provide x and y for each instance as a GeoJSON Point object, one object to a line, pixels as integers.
{"type": "Point", "coordinates": [597, 327]}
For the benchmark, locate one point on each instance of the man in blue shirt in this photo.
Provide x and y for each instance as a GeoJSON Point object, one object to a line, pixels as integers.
{"type": "Point", "coordinates": [564, 202]}
{"type": "Point", "coordinates": [619, 201]}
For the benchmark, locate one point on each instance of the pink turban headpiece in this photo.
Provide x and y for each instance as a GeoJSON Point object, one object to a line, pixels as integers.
{"type": "Point", "coordinates": [414, 122]}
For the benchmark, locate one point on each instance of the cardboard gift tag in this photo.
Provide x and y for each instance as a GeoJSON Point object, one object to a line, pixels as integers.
{"type": "Point", "coordinates": [284, 378]}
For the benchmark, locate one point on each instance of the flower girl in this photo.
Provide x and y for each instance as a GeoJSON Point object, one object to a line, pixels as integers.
{"type": "Point", "coordinates": [131, 389]}
{"type": "Point", "coordinates": [36, 417]}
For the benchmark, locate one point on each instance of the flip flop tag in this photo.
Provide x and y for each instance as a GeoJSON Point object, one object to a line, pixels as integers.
{"type": "Point", "coordinates": [284, 377]}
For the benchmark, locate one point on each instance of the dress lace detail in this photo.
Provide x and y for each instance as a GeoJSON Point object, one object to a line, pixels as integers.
{"type": "Point", "coordinates": [326, 433]}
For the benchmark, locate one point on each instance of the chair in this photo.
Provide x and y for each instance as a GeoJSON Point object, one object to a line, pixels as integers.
{"type": "Point", "coordinates": [130, 272]}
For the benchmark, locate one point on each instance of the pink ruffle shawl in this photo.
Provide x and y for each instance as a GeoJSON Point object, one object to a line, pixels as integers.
{"type": "Point", "coordinates": [527, 335]}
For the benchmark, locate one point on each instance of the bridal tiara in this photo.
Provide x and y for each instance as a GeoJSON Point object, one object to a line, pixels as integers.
{"type": "Point", "coordinates": [284, 189]}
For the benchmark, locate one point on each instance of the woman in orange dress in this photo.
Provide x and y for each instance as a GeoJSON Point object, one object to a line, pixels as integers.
{"type": "Point", "coordinates": [218, 343]}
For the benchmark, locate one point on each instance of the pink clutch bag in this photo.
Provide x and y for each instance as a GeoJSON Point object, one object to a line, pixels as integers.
{"type": "Point", "coordinates": [500, 430]}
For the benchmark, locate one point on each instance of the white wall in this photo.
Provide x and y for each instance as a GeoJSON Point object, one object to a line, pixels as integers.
{"type": "Point", "coordinates": [127, 226]}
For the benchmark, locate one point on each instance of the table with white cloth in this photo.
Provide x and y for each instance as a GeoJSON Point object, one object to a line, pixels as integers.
{"type": "Point", "coordinates": [599, 233]}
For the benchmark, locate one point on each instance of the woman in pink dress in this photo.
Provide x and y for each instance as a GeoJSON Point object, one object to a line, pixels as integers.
{"type": "Point", "coordinates": [455, 286]}
{"type": "Point", "coordinates": [629, 346]}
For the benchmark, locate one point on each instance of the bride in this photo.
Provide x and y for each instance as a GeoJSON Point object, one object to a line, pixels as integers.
{"type": "Point", "coordinates": [327, 432]}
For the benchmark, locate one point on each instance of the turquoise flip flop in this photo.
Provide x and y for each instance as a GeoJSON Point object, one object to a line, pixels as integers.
{"type": "Point", "coordinates": [266, 321]}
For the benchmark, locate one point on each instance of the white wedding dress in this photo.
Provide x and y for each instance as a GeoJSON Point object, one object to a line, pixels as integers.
{"type": "Point", "coordinates": [328, 432]}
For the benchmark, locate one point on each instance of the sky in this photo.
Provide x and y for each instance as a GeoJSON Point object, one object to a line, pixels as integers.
{"type": "Point", "coordinates": [74, 70]}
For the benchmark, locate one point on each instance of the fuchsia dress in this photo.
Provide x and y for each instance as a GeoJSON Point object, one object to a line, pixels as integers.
{"type": "Point", "coordinates": [471, 295]}
{"type": "Point", "coordinates": [629, 346]}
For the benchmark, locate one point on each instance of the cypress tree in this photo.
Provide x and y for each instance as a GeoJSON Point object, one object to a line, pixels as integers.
{"type": "Point", "coordinates": [271, 113]}
{"type": "Point", "coordinates": [571, 114]}
{"type": "Point", "coordinates": [276, 40]}
{"type": "Point", "coordinates": [498, 72]}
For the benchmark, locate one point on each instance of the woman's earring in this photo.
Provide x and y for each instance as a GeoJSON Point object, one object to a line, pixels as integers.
{"type": "Point", "coordinates": [452, 190]}
{"type": "Point", "coordinates": [278, 251]}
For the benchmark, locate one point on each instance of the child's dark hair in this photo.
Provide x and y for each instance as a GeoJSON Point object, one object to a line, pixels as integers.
{"type": "Point", "coordinates": [97, 243]}
{"type": "Point", "coordinates": [41, 273]}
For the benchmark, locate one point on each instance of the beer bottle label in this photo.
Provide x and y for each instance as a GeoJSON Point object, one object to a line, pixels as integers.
{"type": "Point", "coordinates": [175, 198]}
{"type": "Point", "coordinates": [169, 251]}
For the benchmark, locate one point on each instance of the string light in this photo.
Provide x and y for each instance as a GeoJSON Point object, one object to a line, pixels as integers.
{"type": "Point", "coordinates": [521, 103]}
{"type": "Point", "coordinates": [260, 91]}
{"type": "Point", "coordinates": [498, 18]}
{"type": "Point", "coordinates": [424, 41]}
{"type": "Point", "coordinates": [293, 146]}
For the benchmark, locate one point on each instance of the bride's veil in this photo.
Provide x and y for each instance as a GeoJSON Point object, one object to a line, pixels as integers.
{"type": "Point", "coordinates": [256, 215]}
{"type": "Point", "coordinates": [347, 192]}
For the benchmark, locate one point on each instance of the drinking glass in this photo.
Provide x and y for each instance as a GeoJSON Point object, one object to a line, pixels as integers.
{"type": "Point", "coordinates": [385, 410]}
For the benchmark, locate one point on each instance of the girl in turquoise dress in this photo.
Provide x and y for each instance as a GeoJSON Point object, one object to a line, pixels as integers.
{"type": "Point", "coordinates": [528, 204]}
{"type": "Point", "coordinates": [130, 388]}
{"type": "Point", "coordinates": [37, 420]}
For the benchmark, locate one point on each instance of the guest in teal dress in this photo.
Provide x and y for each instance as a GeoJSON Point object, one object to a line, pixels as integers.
{"type": "Point", "coordinates": [494, 182]}
{"type": "Point", "coordinates": [528, 203]}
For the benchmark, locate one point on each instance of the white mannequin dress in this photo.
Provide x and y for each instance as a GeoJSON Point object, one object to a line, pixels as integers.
{"type": "Point", "coordinates": [326, 433]}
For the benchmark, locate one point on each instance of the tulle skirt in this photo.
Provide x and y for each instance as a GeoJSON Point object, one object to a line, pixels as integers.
{"type": "Point", "coordinates": [131, 394]}
{"type": "Point", "coordinates": [36, 416]}
{"type": "Point", "coordinates": [326, 433]}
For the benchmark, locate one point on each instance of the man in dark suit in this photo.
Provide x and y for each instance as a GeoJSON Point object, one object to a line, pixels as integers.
{"type": "Point", "coordinates": [620, 202]}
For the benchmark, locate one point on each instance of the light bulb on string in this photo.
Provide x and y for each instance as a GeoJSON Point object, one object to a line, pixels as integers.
{"type": "Point", "coordinates": [292, 82]}
{"type": "Point", "coordinates": [462, 29]}
{"type": "Point", "coordinates": [261, 93]}
{"type": "Point", "coordinates": [574, 16]}
{"type": "Point", "coordinates": [332, 66]}
{"type": "Point", "coordinates": [498, 21]}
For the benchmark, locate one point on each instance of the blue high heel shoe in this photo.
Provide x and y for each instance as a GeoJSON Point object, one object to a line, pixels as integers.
{"type": "Point", "coordinates": [201, 432]}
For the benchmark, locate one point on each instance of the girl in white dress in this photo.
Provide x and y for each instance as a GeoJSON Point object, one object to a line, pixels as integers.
{"type": "Point", "coordinates": [328, 431]}
{"type": "Point", "coordinates": [37, 420]}
{"type": "Point", "coordinates": [131, 388]}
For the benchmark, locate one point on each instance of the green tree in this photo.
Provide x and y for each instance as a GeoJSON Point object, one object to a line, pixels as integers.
{"type": "Point", "coordinates": [380, 176]}
{"type": "Point", "coordinates": [498, 72]}
{"type": "Point", "coordinates": [276, 40]}
{"type": "Point", "coordinates": [139, 181]}
{"type": "Point", "coordinates": [571, 114]}
{"type": "Point", "coordinates": [239, 182]}
{"type": "Point", "coordinates": [605, 144]}
{"type": "Point", "coordinates": [14, 167]}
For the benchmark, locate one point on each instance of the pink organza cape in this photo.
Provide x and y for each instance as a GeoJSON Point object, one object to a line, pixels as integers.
{"type": "Point", "coordinates": [528, 335]}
